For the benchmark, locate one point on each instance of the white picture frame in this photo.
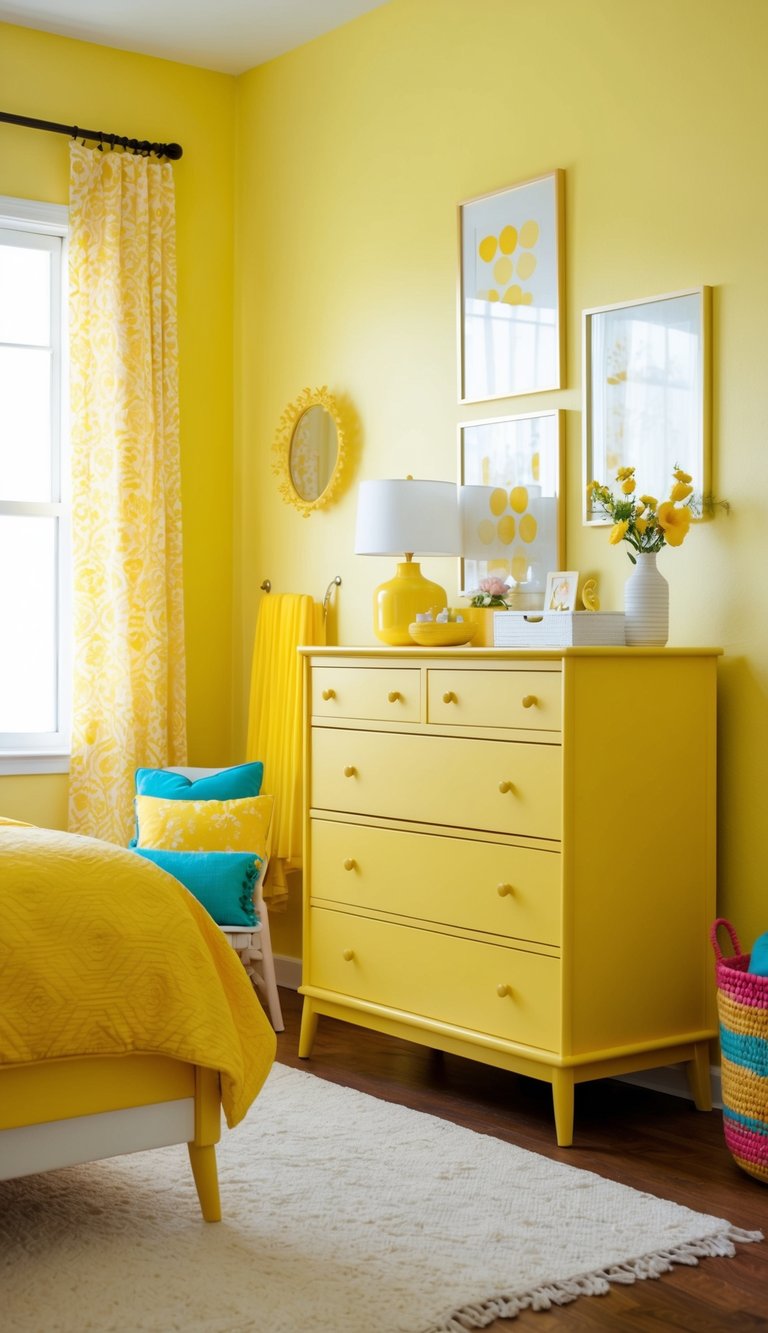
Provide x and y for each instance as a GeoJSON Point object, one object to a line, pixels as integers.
{"type": "Point", "coordinates": [511, 320]}
{"type": "Point", "coordinates": [647, 393]}
{"type": "Point", "coordinates": [560, 590]}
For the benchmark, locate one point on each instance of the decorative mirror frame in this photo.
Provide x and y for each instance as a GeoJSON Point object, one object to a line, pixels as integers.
{"type": "Point", "coordinates": [281, 448]}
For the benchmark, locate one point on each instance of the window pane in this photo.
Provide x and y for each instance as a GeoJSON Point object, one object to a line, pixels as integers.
{"type": "Point", "coordinates": [25, 424]}
{"type": "Point", "coordinates": [25, 295]}
{"type": "Point", "coordinates": [28, 580]}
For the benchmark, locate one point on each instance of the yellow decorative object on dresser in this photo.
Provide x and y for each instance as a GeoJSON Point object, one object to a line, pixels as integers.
{"type": "Point", "coordinates": [465, 832]}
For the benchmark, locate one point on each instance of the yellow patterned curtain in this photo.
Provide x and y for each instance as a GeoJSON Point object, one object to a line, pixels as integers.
{"type": "Point", "coordinates": [129, 706]}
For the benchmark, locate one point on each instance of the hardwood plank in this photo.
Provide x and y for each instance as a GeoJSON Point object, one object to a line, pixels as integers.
{"type": "Point", "coordinates": [643, 1139]}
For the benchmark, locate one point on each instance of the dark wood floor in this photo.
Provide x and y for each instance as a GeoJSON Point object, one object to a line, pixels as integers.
{"type": "Point", "coordinates": [644, 1139]}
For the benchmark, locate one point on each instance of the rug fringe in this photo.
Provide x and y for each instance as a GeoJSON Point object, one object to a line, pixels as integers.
{"type": "Point", "coordinates": [506, 1305]}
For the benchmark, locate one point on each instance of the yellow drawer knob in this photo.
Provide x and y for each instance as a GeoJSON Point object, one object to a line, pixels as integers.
{"type": "Point", "coordinates": [393, 696]}
{"type": "Point", "coordinates": [329, 694]}
{"type": "Point", "coordinates": [348, 955]}
{"type": "Point", "coordinates": [350, 863]}
{"type": "Point", "coordinates": [503, 990]}
{"type": "Point", "coordinates": [529, 700]}
{"type": "Point", "coordinates": [449, 697]}
{"type": "Point", "coordinates": [504, 890]}
{"type": "Point", "coordinates": [504, 787]}
{"type": "Point", "coordinates": [349, 771]}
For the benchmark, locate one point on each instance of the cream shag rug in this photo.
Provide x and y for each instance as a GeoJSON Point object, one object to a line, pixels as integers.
{"type": "Point", "coordinates": [342, 1214]}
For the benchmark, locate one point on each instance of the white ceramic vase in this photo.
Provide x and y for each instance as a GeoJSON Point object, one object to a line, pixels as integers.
{"type": "Point", "coordinates": [646, 605]}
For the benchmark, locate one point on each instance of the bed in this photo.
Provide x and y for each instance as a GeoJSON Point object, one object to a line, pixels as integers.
{"type": "Point", "coordinates": [126, 1020]}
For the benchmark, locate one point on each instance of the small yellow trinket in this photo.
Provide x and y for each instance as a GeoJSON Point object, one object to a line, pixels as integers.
{"type": "Point", "coordinates": [589, 595]}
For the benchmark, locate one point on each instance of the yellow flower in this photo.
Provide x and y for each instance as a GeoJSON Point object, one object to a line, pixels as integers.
{"type": "Point", "coordinates": [640, 525]}
{"type": "Point", "coordinates": [625, 474]}
{"type": "Point", "coordinates": [639, 508]}
{"type": "Point", "coordinates": [675, 523]}
{"type": "Point", "coordinates": [618, 532]}
{"type": "Point", "coordinates": [679, 475]}
{"type": "Point", "coordinates": [680, 491]}
{"type": "Point", "coordinates": [590, 487]}
{"type": "Point", "coordinates": [628, 486]}
{"type": "Point", "coordinates": [649, 500]}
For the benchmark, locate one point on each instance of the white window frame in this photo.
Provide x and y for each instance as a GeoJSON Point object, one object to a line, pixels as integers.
{"type": "Point", "coordinates": [48, 752]}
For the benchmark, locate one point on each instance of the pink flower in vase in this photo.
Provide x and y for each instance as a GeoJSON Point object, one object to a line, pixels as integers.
{"type": "Point", "coordinates": [492, 591]}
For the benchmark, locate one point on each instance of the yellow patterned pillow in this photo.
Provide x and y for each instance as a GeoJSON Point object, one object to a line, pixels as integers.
{"type": "Point", "coordinates": [204, 826]}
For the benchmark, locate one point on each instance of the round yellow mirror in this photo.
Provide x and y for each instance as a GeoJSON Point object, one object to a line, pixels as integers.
{"type": "Point", "coordinates": [310, 450]}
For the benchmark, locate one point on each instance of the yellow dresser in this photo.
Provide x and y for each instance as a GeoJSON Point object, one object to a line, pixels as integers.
{"type": "Point", "coordinates": [511, 856]}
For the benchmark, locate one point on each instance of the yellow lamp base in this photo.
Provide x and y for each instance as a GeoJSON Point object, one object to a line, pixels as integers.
{"type": "Point", "coordinates": [397, 602]}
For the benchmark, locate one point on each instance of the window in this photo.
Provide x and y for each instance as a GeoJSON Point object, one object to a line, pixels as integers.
{"type": "Point", "coordinates": [34, 498]}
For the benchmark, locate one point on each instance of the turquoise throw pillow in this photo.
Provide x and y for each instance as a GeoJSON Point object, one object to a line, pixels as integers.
{"type": "Point", "coordinates": [223, 882]}
{"type": "Point", "coordinates": [231, 784]}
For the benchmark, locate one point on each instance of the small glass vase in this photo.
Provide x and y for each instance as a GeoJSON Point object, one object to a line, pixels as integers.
{"type": "Point", "coordinates": [646, 604]}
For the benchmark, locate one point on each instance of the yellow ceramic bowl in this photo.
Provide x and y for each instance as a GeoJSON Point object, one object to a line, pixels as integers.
{"type": "Point", "coordinates": [438, 634]}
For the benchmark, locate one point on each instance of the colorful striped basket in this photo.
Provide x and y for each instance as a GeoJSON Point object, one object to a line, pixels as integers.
{"type": "Point", "coordinates": [742, 1003]}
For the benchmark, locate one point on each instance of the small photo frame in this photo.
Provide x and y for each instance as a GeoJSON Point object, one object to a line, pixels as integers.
{"type": "Point", "coordinates": [511, 296]}
{"type": "Point", "coordinates": [560, 590]}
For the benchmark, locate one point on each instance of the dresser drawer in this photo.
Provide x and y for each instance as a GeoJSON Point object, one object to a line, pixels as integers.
{"type": "Point", "coordinates": [442, 977]}
{"type": "Point", "coordinates": [529, 700]}
{"type": "Point", "coordinates": [499, 786]}
{"type": "Point", "coordinates": [380, 694]}
{"type": "Point", "coordinates": [484, 886]}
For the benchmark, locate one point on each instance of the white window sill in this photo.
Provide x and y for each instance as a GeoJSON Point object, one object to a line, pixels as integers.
{"type": "Point", "coordinates": [29, 762]}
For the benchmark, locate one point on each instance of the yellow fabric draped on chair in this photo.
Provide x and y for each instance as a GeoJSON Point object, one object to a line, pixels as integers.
{"type": "Point", "coordinates": [285, 620]}
{"type": "Point", "coordinates": [129, 704]}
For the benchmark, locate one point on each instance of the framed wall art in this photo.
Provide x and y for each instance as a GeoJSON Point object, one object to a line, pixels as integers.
{"type": "Point", "coordinates": [510, 498]}
{"type": "Point", "coordinates": [647, 388]}
{"type": "Point", "coordinates": [511, 316]}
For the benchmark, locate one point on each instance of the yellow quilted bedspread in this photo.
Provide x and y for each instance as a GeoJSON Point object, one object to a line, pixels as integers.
{"type": "Point", "coordinates": [103, 953]}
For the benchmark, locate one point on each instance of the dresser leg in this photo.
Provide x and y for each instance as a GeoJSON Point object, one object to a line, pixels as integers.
{"type": "Point", "coordinates": [308, 1029]}
{"type": "Point", "coordinates": [562, 1098]}
{"type": "Point", "coordinates": [699, 1079]}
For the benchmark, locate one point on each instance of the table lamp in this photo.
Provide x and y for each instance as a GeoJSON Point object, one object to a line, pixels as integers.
{"type": "Point", "coordinates": [406, 518]}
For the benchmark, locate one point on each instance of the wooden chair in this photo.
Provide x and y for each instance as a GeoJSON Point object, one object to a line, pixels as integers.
{"type": "Point", "coordinates": [252, 944]}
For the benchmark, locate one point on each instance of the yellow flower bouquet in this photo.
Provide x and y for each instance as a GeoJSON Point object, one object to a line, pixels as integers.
{"type": "Point", "coordinates": [640, 520]}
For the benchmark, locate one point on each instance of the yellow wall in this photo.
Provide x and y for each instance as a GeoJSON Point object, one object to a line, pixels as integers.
{"type": "Point", "coordinates": [351, 155]}
{"type": "Point", "coordinates": [353, 152]}
{"type": "Point", "coordinates": [54, 78]}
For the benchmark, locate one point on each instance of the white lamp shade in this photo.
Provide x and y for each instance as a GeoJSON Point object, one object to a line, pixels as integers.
{"type": "Point", "coordinates": [414, 517]}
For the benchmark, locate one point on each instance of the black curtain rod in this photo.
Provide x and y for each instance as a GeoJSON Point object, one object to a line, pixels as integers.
{"type": "Point", "coordinates": [171, 150]}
